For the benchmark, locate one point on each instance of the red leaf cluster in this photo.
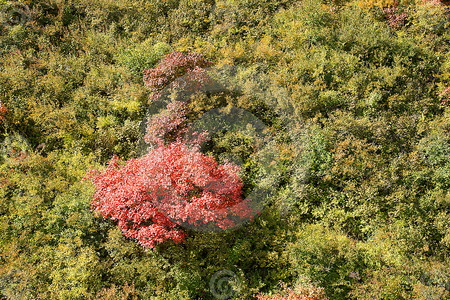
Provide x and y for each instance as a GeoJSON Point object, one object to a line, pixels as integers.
{"type": "Point", "coordinates": [445, 95]}
{"type": "Point", "coordinates": [3, 111]}
{"type": "Point", "coordinates": [170, 183]}
{"type": "Point", "coordinates": [169, 125]}
{"type": "Point", "coordinates": [180, 71]}
{"type": "Point", "coordinates": [395, 18]}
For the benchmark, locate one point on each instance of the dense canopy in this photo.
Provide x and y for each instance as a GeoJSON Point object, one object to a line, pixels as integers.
{"type": "Point", "coordinates": [355, 94]}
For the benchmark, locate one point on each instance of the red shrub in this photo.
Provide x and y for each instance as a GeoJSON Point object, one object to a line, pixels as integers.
{"type": "Point", "coordinates": [174, 182]}
{"type": "Point", "coordinates": [178, 71]}
{"type": "Point", "coordinates": [395, 18]}
{"type": "Point", "coordinates": [445, 95]}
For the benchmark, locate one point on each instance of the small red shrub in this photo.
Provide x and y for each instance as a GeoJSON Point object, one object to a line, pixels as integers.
{"type": "Point", "coordinates": [396, 19]}
{"type": "Point", "coordinates": [445, 95]}
{"type": "Point", "coordinates": [179, 71]}
{"type": "Point", "coordinates": [308, 292]}
{"type": "Point", "coordinates": [3, 111]}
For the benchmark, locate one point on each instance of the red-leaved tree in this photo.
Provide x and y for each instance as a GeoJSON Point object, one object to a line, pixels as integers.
{"type": "Point", "coordinates": [170, 185]}
{"type": "Point", "coordinates": [174, 183]}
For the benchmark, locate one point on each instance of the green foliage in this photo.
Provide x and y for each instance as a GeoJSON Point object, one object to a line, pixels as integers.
{"type": "Point", "coordinates": [430, 16]}
{"type": "Point", "coordinates": [328, 258]}
{"type": "Point", "coordinates": [144, 55]}
{"type": "Point", "coordinates": [359, 186]}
